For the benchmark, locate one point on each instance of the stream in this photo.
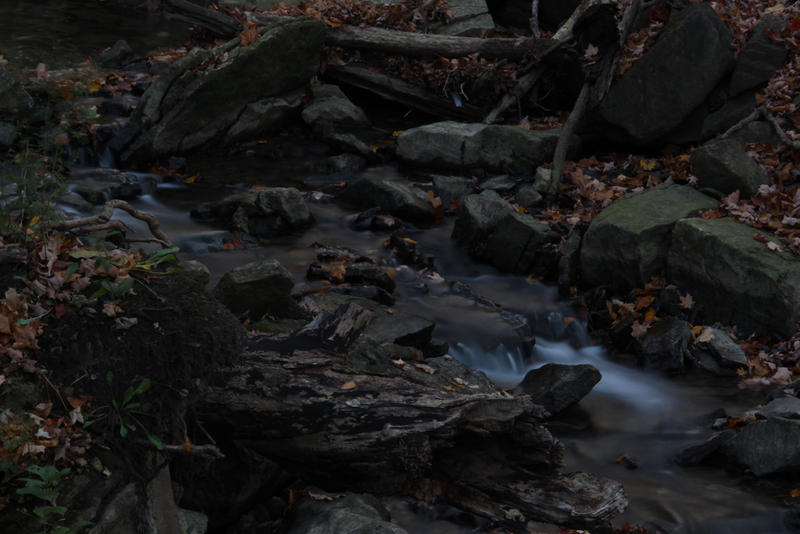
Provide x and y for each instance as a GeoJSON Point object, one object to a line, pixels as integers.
{"type": "Point", "coordinates": [631, 412]}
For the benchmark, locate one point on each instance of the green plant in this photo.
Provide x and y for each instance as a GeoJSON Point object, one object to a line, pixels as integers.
{"type": "Point", "coordinates": [43, 487]}
{"type": "Point", "coordinates": [124, 412]}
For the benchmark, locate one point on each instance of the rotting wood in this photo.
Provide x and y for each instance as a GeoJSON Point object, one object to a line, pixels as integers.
{"type": "Point", "coordinates": [214, 21]}
{"type": "Point", "coordinates": [404, 93]}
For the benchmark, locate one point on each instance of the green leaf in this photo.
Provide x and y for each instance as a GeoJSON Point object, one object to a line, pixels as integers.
{"type": "Point", "coordinates": [127, 395]}
{"type": "Point", "coordinates": [123, 430]}
{"type": "Point", "coordinates": [42, 511]}
{"type": "Point", "coordinates": [39, 492]}
{"type": "Point", "coordinates": [72, 269]}
{"type": "Point", "coordinates": [109, 377]}
{"type": "Point", "coordinates": [144, 385]}
{"type": "Point", "coordinates": [155, 441]}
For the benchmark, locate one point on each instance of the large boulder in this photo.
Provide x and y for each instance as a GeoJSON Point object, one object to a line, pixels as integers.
{"type": "Point", "coordinates": [735, 278]}
{"type": "Point", "coordinates": [767, 446]}
{"type": "Point", "coordinates": [264, 116]}
{"type": "Point", "coordinates": [628, 242]}
{"type": "Point", "coordinates": [259, 288]}
{"type": "Point", "coordinates": [14, 100]}
{"type": "Point", "coordinates": [476, 218]}
{"type": "Point", "coordinates": [397, 198]}
{"type": "Point", "coordinates": [198, 99]}
{"type": "Point", "coordinates": [761, 56]}
{"type": "Point", "coordinates": [556, 386]}
{"type": "Point", "coordinates": [263, 213]}
{"type": "Point", "coordinates": [672, 78]}
{"type": "Point", "coordinates": [351, 514]}
{"type": "Point", "coordinates": [725, 166]}
{"type": "Point", "coordinates": [514, 243]}
{"type": "Point", "coordinates": [458, 146]}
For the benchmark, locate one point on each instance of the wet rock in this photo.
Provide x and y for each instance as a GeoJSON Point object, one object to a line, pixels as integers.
{"type": "Point", "coordinates": [735, 278]}
{"type": "Point", "coordinates": [377, 220]}
{"type": "Point", "coordinates": [699, 452]}
{"type": "Point", "coordinates": [196, 271]}
{"type": "Point", "coordinates": [768, 446]}
{"type": "Point", "coordinates": [337, 330]}
{"type": "Point", "coordinates": [556, 387]}
{"type": "Point", "coordinates": [259, 288]}
{"type": "Point", "coordinates": [459, 146]}
{"type": "Point", "coordinates": [14, 100]}
{"type": "Point", "coordinates": [351, 513]}
{"type": "Point", "coordinates": [725, 166]}
{"type": "Point", "coordinates": [451, 188]}
{"type": "Point", "coordinates": [192, 104]}
{"type": "Point", "coordinates": [514, 244]}
{"type": "Point", "coordinates": [115, 56]}
{"type": "Point", "coordinates": [671, 79]}
{"type": "Point", "coordinates": [664, 346]}
{"type": "Point", "coordinates": [476, 217]}
{"type": "Point", "coordinates": [99, 185]}
{"type": "Point", "coordinates": [528, 197]}
{"type": "Point", "coordinates": [569, 262]}
{"type": "Point", "coordinates": [502, 184]}
{"type": "Point", "coordinates": [788, 407]}
{"type": "Point", "coordinates": [369, 273]}
{"type": "Point", "coordinates": [761, 132]}
{"type": "Point", "coordinates": [331, 104]}
{"type": "Point", "coordinates": [329, 183]}
{"type": "Point", "coordinates": [395, 197]}
{"type": "Point", "coordinates": [346, 163]}
{"type": "Point", "coordinates": [262, 213]}
{"type": "Point", "coordinates": [760, 57]}
{"type": "Point", "coordinates": [470, 18]}
{"type": "Point", "coordinates": [264, 116]}
{"type": "Point", "coordinates": [726, 350]}
{"type": "Point", "coordinates": [628, 242]}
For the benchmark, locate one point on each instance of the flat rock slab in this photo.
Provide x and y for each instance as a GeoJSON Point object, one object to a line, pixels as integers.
{"type": "Point", "coordinates": [393, 196]}
{"type": "Point", "coordinates": [734, 277]}
{"type": "Point", "coordinates": [628, 242]}
{"type": "Point", "coordinates": [672, 78]}
{"type": "Point", "coordinates": [725, 166]}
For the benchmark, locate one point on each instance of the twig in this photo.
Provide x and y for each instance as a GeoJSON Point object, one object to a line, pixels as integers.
{"type": "Point", "coordinates": [773, 120]}
{"type": "Point", "coordinates": [560, 153]}
{"type": "Point", "coordinates": [741, 124]}
{"type": "Point", "coordinates": [201, 450]}
{"type": "Point", "coordinates": [102, 221]}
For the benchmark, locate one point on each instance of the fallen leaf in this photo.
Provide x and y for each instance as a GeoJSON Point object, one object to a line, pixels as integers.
{"type": "Point", "coordinates": [398, 363]}
{"type": "Point", "coordinates": [638, 330]}
{"type": "Point", "coordinates": [425, 368]}
{"type": "Point", "coordinates": [782, 376]}
{"type": "Point", "coordinates": [190, 180]}
{"type": "Point", "coordinates": [348, 385]}
{"type": "Point", "coordinates": [644, 301]}
{"type": "Point", "coordinates": [250, 33]}
{"type": "Point", "coordinates": [706, 335]}
{"type": "Point", "coordinates": [448, 388]}
{"type": "Point", "coordinates": [111, 309]}
{"type": "Point", "coordinates": [591, 52]}
{"type": "Point", "coordinates": [687, 302]}
{"type": "Point", "coordinates": [795, 493]}
{"type": "Point", "coordinates": [187, 444]}
{"type": "Point", "coordinates": [77, 402]}
{"type": "Point", "coordinates": [650, 316]}
{"type": "Point", "coordinates": [773, 246]}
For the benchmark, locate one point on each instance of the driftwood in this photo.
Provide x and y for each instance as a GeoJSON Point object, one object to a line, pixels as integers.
{"type": "Point", "coordinates": [420, 44]}
{"type": "Point", "coordinates": [404, 93]}
{"type": "Point", "coordinates": [214, 21]}
{"type": "Point", "coordinates": [345, 429]}
{"type": "Point", "coordinates": [102, 222]}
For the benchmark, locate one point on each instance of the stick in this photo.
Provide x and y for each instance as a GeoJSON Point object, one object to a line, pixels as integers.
{"type": "Point", "coordinates": [563, 139]}
{"type": "Point", "coordinates": [535, 19]}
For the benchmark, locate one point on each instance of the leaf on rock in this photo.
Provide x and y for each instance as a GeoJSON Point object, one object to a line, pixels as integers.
{"type": "Point", "coordinates": [638, 330]}
{"type": "Point", "coordinates": [250, 33]}
{"type": "Point", "coordinates": [425, 368]}
{"type": "Point", "coordinates": [687, 302]}
{"type": "Point", "coordinates": [348, 385]}
{"type": "Point", "coordinates": [706, 335]}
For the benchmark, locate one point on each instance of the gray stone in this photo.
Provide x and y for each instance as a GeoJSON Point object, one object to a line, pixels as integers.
{"type": "Point", "coordinates": [726, 350]}
{"type": "Point", "coordinates": [192, 104]}
{"type": "Point", "coordinates": [672, 78]}
{"type": "Point", "coordinates": [114, 56]}
{"type": "Point", "coordinates": [331, 104]}
{"type": "Point", "coordinates": [99, 185]}
{"type": "Point", "coordinates": [8, 133]}
{"type": "Point", "coordinates": [192, 522]}
{"type": "Point", "coordinates": [502, 184]}
{"type": "Point", "coordinates": [259, 288]}
{"type": "Point", "coordinates": [557, 387]}
{"type": "Point", "coordinates": [761, 56]}
{"type": "Point", "coordinates": [351, 514]}
{"type": "Point", "coordinates": [782, 407]}
{"type": "Point", "coordinates": [725, 166]}
{"type": "Point", "coordinates": [767, 447]}
{"type": "Point", "coordinates": [757, 132]}
{"type": "Point", "coordinates": [527, 196]}
{"type": "Point", "coordinates": [705, 123]}
{"type": "Point", "coordinates": [368, 273]}
{"type": "Point", "coordinates": [196, 270]}
{"type": "Point", "coordinates": [264, 116]}
{"type": "Point", "coordinates": [14, 100]}
{"type": "Point", "coordinates": [665, 344]}
{"type": "Point", "coordinates": [263, 213]}
{"type": "Point", "coordinates": [451, 188]}
{"type": "Point", "coordinates": [476, 217]}
{"type": "Point", "coordinates": [699, 452]}
{"type": "Point", "coordinates": [513, 244]}
{"type": "Point", "coordinates": [345, 163]}
{"type": "Point", "coordinates": [570, 260]}
{"type": "Point", "coordinates": [734, 278]}
{"type": "Point", "coordinates": [470, 18]}
{"type": "Point", "coordinates": [393, 196]}
{"type": "Point", "coordinates": [628, 242]}
{"type": "Point", "coordinates": [453, 145]}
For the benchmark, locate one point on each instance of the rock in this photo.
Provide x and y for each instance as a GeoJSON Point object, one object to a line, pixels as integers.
{"type": "Point", "coordinates": [196, 270]}
{"type": "Point", "coordinates": [757, 132]}
{"type": "Point", "coordinates": [451, 188]}
{"type": "Point", "coordinates": [259, 288]}
{"type": "Point", "coordinates": [368, 273]}
{"type": "Point", "coordinates": [470, 18]}
{"type": "Point", "coordinates": [735, 278]}
{"type": "Point", "coordinates": [711, 119]}
{"type": "Point", "coordinates": [725, 166]}
{"type": "Point", "coordinates": [458, 146]}
{"type": "Point", "coordinates": [194, 103]}
{"type": "Point", "coordinates": [476, 218]}
{"type": "Point", "coordinates": [726, 350]}
{"type": "Point", "coordinates": [330, 103]}
{"type": "Point", "coordinates": [392, 196]}
{"type": "Point", "coordinates": [513, 245]}
{"type": "Point", "coordinates": [527, 196]}
{"type": "Point", "coordinates": [671, 79]}
{"type": "Point", "coordinates": [115, 56]}
{"type": "Point", "coordinates": [337, 330]}
{"type": "Point", "coordinates": [346, 163]}
{"type": "Point", "coordinates": [8, 133]}
{"type": "Point", "coordinates": [699, 452]}
{"type": "Point", "coordinates": [556, 387]}
{"type": "Point", "coordinates": [627, 243]}
{"type": "Point", "coordinates": [267, 212]}
{"type": "Point", "coordinates": [788, 407]}
{"type": "Point", "coordinates": [14, 100]}
{"type": "Point", "coordinates": [264, 116]}
{"type": "Point", "coordinates": [191, 521]}
{"type": "Point", "coordinates": [569, 262]}
{"type": "Point", "coordinates": [665, 344]}
{"type": "Point", "coordinates": [767, 447]}
{"type": "Point", "coordinates": [351, 514]}
{"type": "Point", "coordinates": [99, 185]}
{"type": "Point", "coordinates": [760, 57]}
{"type": "Point", "coordinates": [502, 184]}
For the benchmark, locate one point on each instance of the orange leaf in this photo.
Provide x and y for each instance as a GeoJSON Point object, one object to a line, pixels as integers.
{"type": "Point", "coordinates": [187, 445]}
{"type": "Point", "coordinates": [643, 302]}
{"type": "Point", "coordinates": [250, 33]}
{"type": "Point", "coordinates": [190, 180]}
{"type": "Point", "coordinates": [348, 385]}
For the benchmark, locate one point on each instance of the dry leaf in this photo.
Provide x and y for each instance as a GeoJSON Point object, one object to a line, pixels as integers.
{"type": "Point", "coordinates": [687, 302]}
{"type": "Point", "coordinates": [638, 330]}
{"type": "Point", "coordinates": [795, 493]}
{"type": "Point", "coordinates": [187, 444]}
{"type": "Point", "coordinates": [111, 309]}
{"type": "Point", "coordinates": [773, 246]}
{"type": "Point", "coordinates": [348, 385]}
{"type": "Point", "coordinates": [250, 33]}
{"type": "Point", "coordinates": [782, 376]}
{"type": "Point", "coordinates": [425, 368]}
{"type": "Point", "coordinates": [705, 336]}
{"type": "Point", "coordinates": [398, 363]}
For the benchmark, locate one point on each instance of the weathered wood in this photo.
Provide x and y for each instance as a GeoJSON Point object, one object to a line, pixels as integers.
{"type": "Point", "coordinates": [420, 44]}
{"type": "Point", "coordinates": [404, 93]}
{"type": "Point", "coordinates": [214, 21]}
{"type": "Point", "coordinates": [406, 430]}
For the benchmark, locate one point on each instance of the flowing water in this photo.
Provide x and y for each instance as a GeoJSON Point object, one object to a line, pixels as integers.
{"type": "Point", "coordinates": [646, 416]}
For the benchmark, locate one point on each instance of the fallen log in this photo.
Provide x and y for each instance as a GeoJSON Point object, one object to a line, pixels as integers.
{"type": "Point", "coordinates": [420, 44]}
{"type": "Point", "coordinates": [214, 21]}
{"type": "Point", "coordinates": [408, 431]}
{"type": "Point", "coordinates": [404, 93]}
